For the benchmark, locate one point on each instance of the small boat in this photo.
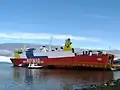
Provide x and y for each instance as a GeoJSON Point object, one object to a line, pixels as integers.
{"type": "Point", "coordinates": [63, 57]}
{"type": "Point", "coordinates": [33, 66]}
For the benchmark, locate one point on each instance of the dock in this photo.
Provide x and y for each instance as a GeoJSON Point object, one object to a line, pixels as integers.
{"type": "Point", "coordinates": [116, 66]}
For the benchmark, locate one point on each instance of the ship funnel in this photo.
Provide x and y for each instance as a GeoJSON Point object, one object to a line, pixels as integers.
{"type": "Point", "coordinates": [68, 45]}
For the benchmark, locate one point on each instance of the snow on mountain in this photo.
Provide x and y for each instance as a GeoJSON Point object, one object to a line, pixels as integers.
{"type": "Point", "coordinates": [5, 59]}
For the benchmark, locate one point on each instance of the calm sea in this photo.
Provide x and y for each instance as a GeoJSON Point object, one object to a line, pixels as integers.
{"type": "Point", "coordinates": [12, 78]}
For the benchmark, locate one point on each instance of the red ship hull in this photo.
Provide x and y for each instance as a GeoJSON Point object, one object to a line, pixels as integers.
{"type": "Point", "coordinates": [75, 61]}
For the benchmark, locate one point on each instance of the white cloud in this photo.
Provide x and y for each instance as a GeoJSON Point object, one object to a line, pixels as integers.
{"type": "Point", "coordinates": [45, 36]}
{"type": "Point", "coordinates": [103, 16]}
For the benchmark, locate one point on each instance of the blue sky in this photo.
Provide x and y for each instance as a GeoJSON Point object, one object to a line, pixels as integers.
{"type": "Point", "coordinates": [90, 23]}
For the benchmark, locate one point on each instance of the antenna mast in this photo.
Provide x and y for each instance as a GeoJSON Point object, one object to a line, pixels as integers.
{"type": "Point", "coordinates": [24, 47]}
{"type": "Point", "coordinates": [110, 49]}
{"type": "Point", "coordinates": [50, 43]}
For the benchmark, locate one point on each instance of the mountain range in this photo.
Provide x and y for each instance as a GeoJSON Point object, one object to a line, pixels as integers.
{"type": "Point", "coordinates": [7, 49]}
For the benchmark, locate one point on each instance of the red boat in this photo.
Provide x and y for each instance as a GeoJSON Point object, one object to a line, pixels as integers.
{"type": "Point", "coordinates": [63, 57]}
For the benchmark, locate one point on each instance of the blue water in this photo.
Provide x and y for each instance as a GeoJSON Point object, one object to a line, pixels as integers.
{"type": "Point", "coordinates": [12, 78]}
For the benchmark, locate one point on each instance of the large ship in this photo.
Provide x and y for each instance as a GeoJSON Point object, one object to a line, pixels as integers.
{"type": "Point", "coordinates": [65, 57]}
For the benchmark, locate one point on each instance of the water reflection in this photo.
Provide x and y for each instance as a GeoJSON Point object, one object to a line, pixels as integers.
{"type": "Point", "coordinates": [28, 76]}
{"type": "Point", "coordinates": [116, 75]}
{"type": "Point", "coordinates": [60, 79]}
{"type": "Point", "coordinates": [16, 74]}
